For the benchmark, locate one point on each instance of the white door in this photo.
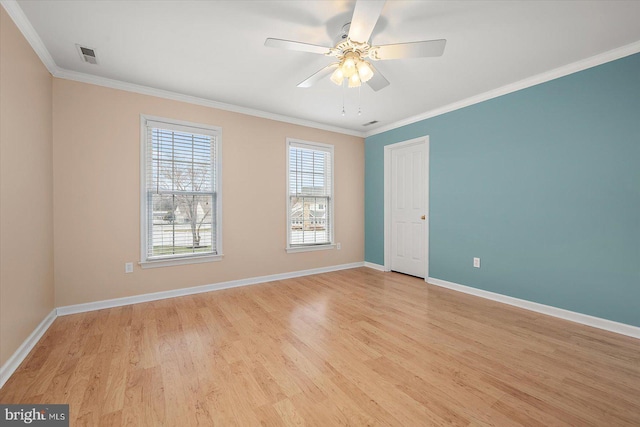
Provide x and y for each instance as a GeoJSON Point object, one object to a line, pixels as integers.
{"type": "Point", "coordinates": [409, 172]}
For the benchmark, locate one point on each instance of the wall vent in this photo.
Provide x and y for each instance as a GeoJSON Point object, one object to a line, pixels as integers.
{"type": "Point", "coordinates": [87, 54]}
{"type": "Point", "coordinates": [372, 122]}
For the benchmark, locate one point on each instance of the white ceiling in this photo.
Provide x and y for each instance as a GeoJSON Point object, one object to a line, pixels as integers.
{"type": "Point", "coordinates": [214, 50]}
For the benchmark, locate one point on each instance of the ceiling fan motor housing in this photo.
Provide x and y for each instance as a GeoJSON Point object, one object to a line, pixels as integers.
{"type": "Point", "coordinates": [352, 50]}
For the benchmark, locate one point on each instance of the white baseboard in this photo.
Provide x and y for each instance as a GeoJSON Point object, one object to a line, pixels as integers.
{"type": "Point", "coordinates": [136, 299]}
{"type": "Point", "coordinates": [16, 358]}
{"type": "Point", "coordinates": [374, 266]}
{"type": "Point", "coordinates": [21, 353]}
{"type": "Point", "coordinates": [584, 319]}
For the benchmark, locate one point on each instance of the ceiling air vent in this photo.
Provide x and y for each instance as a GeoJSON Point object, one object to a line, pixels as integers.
{"type": "Point", "coordinates": [372, 122]}
{"type": "Point", "coordinates": [87, 54]}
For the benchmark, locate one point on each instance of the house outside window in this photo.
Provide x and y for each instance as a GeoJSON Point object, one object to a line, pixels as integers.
{"type": "Point", "coordinates": [310, 222]}
{"type": "Point", "coordinates": [180, 192]}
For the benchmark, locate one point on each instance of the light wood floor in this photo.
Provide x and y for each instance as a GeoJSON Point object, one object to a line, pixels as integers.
{"type": "Point", "coordinates": [356, 347]}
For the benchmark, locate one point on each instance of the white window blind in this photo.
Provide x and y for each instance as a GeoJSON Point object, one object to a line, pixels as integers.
{"type": "Point", "coordinates": [181, 203]}
{"type": "Point", "coordinates": [310, 198]}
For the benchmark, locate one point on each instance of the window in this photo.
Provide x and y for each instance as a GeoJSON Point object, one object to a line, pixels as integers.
{"type": "Point", "coordinates": [310, 196]}
{"type": "Point", "coordinates": [180, 195]}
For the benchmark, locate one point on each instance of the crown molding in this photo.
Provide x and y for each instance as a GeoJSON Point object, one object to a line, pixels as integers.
{"type": "Point", "coordinates": [565, 70]}
{"type": "Point", "coordinates": [22, 22]}
{"type": "Point", "coordinates": [175, 96]}
{"type": "Point", "coordinates": [24, 25]}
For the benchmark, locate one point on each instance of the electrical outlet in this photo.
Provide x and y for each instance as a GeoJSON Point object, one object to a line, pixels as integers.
{"type": "Point", "coordinates": [476, 262]}
{"type": "Point", "coordinates": [338, 246]}
{"type": "Point", "coordinates": [128, 267]}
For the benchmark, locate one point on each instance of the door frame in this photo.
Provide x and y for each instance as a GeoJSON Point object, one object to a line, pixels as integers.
{"type": "Point", "coordinates": [387, 199]}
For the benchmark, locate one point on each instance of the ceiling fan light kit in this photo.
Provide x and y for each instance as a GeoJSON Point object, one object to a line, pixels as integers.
{"type": "Point", "coordinates": [352, 65]}
{"type": "Point", "coordinates": [354, 81]}
{"type": "Point", "coordinates": [364, 71]}
{"type": "Point", "coordinates": [338, 76]}
{"type": "Point", "coordinates": [354, 49]}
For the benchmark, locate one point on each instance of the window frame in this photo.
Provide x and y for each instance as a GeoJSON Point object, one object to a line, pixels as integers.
{"type": "Point", "coordinates": [188, 127]}
{"type": "Point", "coordinates": [318, 146]}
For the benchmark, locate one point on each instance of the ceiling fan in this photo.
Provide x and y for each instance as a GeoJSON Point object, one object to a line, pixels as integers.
{"type": "Point", "coordinates": [354, 50]}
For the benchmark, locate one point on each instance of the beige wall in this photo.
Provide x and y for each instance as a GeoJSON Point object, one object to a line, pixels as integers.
{"type": "Point", "coordinates": [96, 140]}
{"type": "Point", "coordinates": [26, 206]}
{"type": "Point", "coordinates": [70, 151]}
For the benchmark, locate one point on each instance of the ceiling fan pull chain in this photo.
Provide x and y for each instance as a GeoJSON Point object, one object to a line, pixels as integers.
{"type": "Point", "coordinates": [343, 112]}
{"type": "Point", "coordinates": [359, 98]}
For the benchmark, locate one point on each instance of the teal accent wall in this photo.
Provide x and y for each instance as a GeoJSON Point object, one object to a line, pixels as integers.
{"type": "Point", "coordinates": [542, 184]}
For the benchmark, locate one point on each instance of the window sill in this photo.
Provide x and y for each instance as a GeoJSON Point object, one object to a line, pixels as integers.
{"type": "Point", "coordinates": [294, 249]}
{"type": "Point", "coordinates": [180, 261]}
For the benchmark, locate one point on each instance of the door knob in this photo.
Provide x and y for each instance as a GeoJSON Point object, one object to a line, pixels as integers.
{"type": "Point", "coordinates": [423, 217]}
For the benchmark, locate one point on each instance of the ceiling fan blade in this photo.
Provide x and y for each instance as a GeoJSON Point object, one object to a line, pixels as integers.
{"type": "Point", "coordinates": [378, 81]}
{"type": "Point", "coordinates": [364, 19]}
{"type": "Point", "coordinates": [410, 50]}
{"type": "Point", "coordinates": [299, 46]}
{"type": "Point", "coordinates": [315, 78]}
